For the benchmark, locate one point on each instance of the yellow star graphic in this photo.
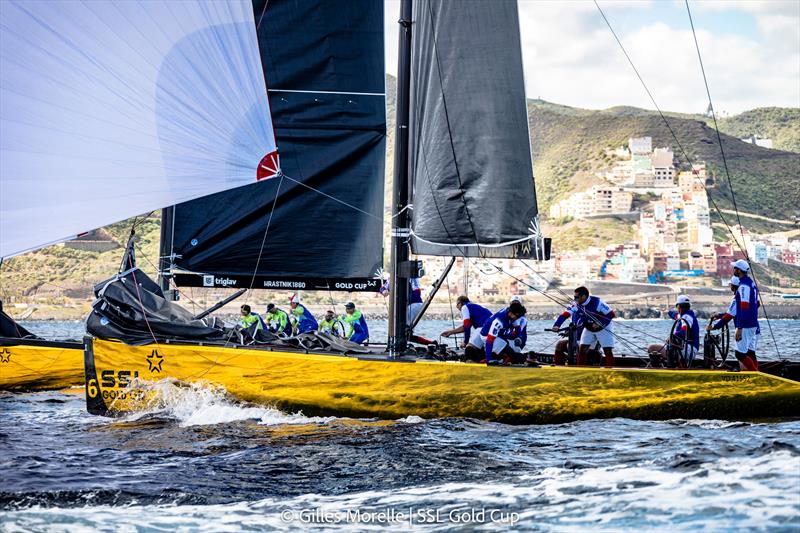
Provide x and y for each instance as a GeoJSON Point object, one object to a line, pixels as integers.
{"type": "Point", "coordinates": [5, 356]}
{"type": "Point", "coordinates": [154, 361]}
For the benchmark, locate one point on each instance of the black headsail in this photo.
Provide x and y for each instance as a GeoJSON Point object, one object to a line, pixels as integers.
{"type": "Point", "coordinates": [470, 160]}
{"type": "Point", "coordinates": [324, 66]}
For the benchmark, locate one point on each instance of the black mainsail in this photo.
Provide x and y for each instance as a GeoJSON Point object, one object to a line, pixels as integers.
{"type": "Point", "coordinates": [324, 64]}
{"type": "Point", "coordinates": [470, 160]}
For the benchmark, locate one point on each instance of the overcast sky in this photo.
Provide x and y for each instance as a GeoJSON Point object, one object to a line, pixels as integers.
{"type": "Point", "coordinates": [751, 52]}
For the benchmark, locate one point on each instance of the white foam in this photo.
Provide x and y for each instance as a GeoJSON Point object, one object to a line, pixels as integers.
{"type": "Point", "coordinates": [734, 495]}
{"type": "Point", "coordinates": [412, 419]}
{"type": "Point", "coordinates": [203, 403]}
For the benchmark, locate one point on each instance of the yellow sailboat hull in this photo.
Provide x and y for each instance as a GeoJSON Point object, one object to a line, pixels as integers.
{"type": "Point", "coordinates": [118, 376]}
{"type": "Point", "coordinates": [40, 365]}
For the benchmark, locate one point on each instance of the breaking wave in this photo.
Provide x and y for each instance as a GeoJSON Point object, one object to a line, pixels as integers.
{"type": "Point", "coordinates": [202, 403]}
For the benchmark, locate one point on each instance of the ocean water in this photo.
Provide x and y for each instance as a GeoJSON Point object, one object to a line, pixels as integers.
{"type": "Point", "coordinates": [206, 462]}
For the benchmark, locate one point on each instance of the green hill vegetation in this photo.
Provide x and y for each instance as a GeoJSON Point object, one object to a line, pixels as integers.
{"type": "Point", "coordinates": [780, 124]}
{"type": "Point", "coordinates": [569, 143]}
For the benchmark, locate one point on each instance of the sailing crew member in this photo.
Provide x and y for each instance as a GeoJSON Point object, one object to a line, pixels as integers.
{"type": "Point", "coordinates": [496, 333]}
{"type": "Point", "coordinates": [744, 312]}
{"type": "Point", "coordinates": [358, 331]}
{"type": "Point", "coordinates": [278, 320]}
{"type": "Point", "coordinates": [686, 336]}
{"type": "Point", "coordinates": [596, 317]}
{"type": "Point", "coordinates": [561, 351]}
{"type": "Point", "coordinates": [519, 330]}
{"type": "Point", "coordinates": [249, 318]}
{"type": "Point", "coordinates": [326, 324]}
{"type": "Point", "coordinates": [473, 317]}
{"type": "Point", "coordinates": [305, 320]}
{"type": "Point", "coordinates": [414, 300]}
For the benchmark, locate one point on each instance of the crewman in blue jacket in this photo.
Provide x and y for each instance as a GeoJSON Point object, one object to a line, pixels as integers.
{"type": "Point", "coordinates": [358, 331]}
{"type": "Point", "coordinates": [305, 320]}
{"type": "Point", "coordinates": [744, 312]}
{"type": "Point", "coordinates": [473, 317]}
{"type": "Point", "coordinates": [596, 317]}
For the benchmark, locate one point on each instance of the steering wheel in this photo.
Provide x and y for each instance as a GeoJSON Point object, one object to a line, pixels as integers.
{"type": "Point", "coordinates": [717, 342]}
{"type": "Point", "coordinates": [678, 348]}
{"type": "Point", "coordinates": [339, 329]}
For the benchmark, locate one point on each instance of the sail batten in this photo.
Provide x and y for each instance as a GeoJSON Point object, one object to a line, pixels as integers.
{"type": "Point", "coordinates": [470, 161]}
{"type": "Point", "coordinates": [113, 109]}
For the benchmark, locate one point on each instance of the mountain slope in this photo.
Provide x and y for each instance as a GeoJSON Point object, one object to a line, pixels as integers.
{"type": "Point", "coordinates": [569, 144]}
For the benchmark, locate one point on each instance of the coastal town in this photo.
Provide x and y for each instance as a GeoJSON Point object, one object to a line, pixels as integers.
{"type": "Point", "coordinates": [676, 240]}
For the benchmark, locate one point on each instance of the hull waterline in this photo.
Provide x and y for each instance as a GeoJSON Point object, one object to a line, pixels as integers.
{"type": "Point", "coordinates": [369, 387]}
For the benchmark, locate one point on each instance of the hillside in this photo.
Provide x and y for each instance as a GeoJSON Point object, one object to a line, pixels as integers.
{"type": "Point", "coordinates": [567, 143]}
{"type": "Point", "coordinates": [780, 124]}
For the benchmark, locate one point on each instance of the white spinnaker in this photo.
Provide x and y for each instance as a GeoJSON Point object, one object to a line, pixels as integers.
{"type": "Point", "coordinates": [109, 109]}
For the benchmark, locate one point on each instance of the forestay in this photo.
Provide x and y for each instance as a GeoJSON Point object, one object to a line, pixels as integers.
{"type": "Point", "coordinates": [470, 161]}
{"type": "Point", "coordinates": [112, 109]}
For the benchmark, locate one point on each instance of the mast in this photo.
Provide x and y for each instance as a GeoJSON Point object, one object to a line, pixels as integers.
{"type": "Point", "coordinates": [398, 336]}
{"type": "Point", "coordinates": [165, 250]}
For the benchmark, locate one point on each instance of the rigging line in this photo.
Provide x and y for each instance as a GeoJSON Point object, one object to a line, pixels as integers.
{"type": "Point", "coordinates": [450, 298]}
{"type": "Point", "coordinates": [258, 26]}
{"type": "Point", "coordinates": [139, 296]}
{"type": "Point", "coordinates": [725, 163]}
{"type": "Point", "coordinates": [666, 122]}
{"type": "Point", "coordinates": [714, 116]}
{"type": "Point", "coordinates": [351, 206]}
{"type": "Point", "coordinates": [590, 313]}
{"type": "Point", "coordinates": [449, 129]}
{"type": "Point", "coordinates": [266, 232]}
{"type": "Point", "coordinates": [549, 281]}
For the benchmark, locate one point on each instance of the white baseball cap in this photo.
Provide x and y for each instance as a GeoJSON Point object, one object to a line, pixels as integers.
{"type": "Point", "coordinates": [741, 264]}
{"type": "Point", "coordinates": [683, 299]}
{"type": "Point", "coordinates": [735, 281]}
{"type": "Point", "coordinates": [294, 299]}
{"type": "Point", "coordinates": [516, 298]}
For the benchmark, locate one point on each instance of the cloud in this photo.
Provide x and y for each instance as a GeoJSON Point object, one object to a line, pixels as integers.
{"type": "Point", "coordinates": [572, 58]}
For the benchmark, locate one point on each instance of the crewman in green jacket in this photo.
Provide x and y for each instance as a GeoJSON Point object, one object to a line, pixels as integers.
{"type": "Point", "coordinates": [326, 324]}
{"type": "Point", "coordinates": [249, 318]}
{"type": "Point", "coordinates": [278, 320]}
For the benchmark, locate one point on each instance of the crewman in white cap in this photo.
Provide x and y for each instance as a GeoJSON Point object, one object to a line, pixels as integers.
{"type": "Point", "coordinates": [303, 320]}
{"type": "Point", "coordinates": [745, 349]}
{"type": "Point", "coordinates": [688, 330]}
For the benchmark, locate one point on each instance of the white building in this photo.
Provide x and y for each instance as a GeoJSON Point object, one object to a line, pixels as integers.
{"type": "Point", "coordinates": [640, 145]}
{"type": "Point", "coordinates": [759, 141]}
{"type": "Point", "coordinates": [599, 200]}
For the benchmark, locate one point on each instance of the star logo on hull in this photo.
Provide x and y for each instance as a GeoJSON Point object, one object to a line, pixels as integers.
{"type": "Point", "coordinates": [5, 356]}
{"type": "Point", "coordinates": [154, 361]}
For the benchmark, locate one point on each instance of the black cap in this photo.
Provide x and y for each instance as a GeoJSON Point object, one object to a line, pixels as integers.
{"type": "Point", "coordinates": [270, 307]}
{"type": "Point", "coordinates": [349, 305]}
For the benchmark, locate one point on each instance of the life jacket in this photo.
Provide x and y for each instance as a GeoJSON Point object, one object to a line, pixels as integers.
{"type": "Point", "coordinates": [746, 299]}
{"type": "Point", "coordinates": [690, 328]}
{"type": "Point", "coordinates": [414, 291]}
{"type": "Point", "coordinates": [498, 325]}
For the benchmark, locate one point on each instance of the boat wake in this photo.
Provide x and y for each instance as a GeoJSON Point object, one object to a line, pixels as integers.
{"type": "Point", "coordinates": [557, 499]}
{"type": "Point", "coordinates": [203, 403]}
